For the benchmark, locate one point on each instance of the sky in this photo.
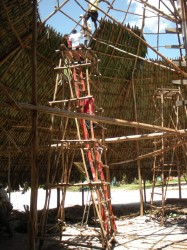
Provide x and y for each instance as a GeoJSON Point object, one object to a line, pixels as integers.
{"type": "Point", "coordinates": [74, 8]}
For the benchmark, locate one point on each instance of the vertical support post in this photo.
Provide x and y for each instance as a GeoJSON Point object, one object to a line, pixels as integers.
{"type": "Point", "coordinates": [178, 162]}
{"type": "Point", "coordinates": [58, 197]}
{"type": "Point", "coordinates": [9, 183]}
{"type": "Point", "coordinates": [153, 186]}
{"type": "Point", "coordinates": [182, 9]}
{"type": "Point", "coordinates": [136, 119]}
{"type": "Point", "coordinates": [34, 154]}
{"type": "Point", "coordinates": [179, 180]}
{"type": "Point", "coordinates": [82, 196]}
{"type": "Point", "coordinates": [162, 162]}
{"type": "Point", "coordinates": [144, 189]}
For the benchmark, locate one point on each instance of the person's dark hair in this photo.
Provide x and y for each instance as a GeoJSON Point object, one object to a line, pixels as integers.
{"type": "Point", "coordinates": [74, 31]}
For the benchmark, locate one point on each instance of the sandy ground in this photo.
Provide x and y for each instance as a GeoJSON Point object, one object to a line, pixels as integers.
{"type": "Point", "coordinates": [75, 198]}
{"type": "Point", "coordinates": [135, 233]}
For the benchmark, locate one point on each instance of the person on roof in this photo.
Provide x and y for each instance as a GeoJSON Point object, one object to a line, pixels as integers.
{"type": "Point", "coordinates": [75, 38]}
{"type": "Point", "coordinates": [93, 11]}
{"type": "Point", "coordinates": [86, 30]}
{"type": "Point", "coordinates": [67, 42]}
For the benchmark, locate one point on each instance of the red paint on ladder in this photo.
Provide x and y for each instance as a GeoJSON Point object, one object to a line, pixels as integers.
{"type": "Point", "coordinates": [89, 108]}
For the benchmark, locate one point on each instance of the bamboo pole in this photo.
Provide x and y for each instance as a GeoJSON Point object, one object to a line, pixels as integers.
{"type": "Point", "coordinates": [151, 154]}
{"type": "Point", "coordinates": [102, 119]}
{"type": "Point", "coordinates": [161, 13]}
{"type": "Point", "coordinates": [136, 119]}
{"type": "Point", "coordinates": [9, 173]}
{"type": "Point", "coordinates": [57, 9]}
{"type": "Point", "coordinates": [34, 167]}
{"type": "Point", "coordinates": [143, 137]}
{"type": "Point", "coordinates": [162, 162]}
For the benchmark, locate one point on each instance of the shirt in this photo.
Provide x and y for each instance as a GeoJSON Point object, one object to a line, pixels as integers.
{"type": "Point", "coordinates": [75, 39]}
{"type": "Point", "coordinates": [91, 7]}
{"type": "Point", "coordinates": [86, 106]}
{"type": "Point", "coordinates": [87, 32]}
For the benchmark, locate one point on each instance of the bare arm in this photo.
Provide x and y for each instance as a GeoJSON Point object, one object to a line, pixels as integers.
{"type": "Point", "coordinates": [107, 2]}
{"type": "Point", "coordinates": [104, 1]}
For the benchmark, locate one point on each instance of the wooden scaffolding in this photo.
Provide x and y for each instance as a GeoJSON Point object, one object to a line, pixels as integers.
{"type": "Point", "coordinates": [164, 164]}
{"type": "Point", "coordinates": [73, 73]}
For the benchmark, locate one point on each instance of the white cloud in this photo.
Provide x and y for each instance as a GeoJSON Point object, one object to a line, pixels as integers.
{"type": "Point", "coordinates": [151, 23]}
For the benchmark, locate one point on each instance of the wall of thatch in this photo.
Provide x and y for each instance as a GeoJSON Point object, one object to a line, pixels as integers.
{"type": "Point", "coordinates": [112, 91]}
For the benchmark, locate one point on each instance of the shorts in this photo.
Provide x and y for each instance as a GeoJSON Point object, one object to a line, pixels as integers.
{"type": "Point", "coordinates": [88, 124]}
{"type": "Point", "coordinates": [93, 15]}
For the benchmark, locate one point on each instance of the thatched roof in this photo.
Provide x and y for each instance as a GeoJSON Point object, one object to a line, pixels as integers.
{"type": "Point", "coordinates": [113, 91]}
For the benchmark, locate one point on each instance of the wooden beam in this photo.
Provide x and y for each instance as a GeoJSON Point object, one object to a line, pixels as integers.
{"type": "Point", "coordinates": [57, 9]}
{"type": "Point", "coordinates": [180, 63]}
{"type": "Point", "coordinates": [73, 66]}
{"type": "Point", "coordinates": [33, 218]}
{"type": "Point", "coordinates": [151, 154]}
{"type": "Point", "coordinates": [173, 30]}
{"type": "Point", "coordinates": [161, 13]}
{"type": "Point", "coordinates": [102, 119]}
{"type": "Point", "coordinates": [180, 82]}
{"type": "Point", "coordinates": [181, 103]}
{"type": "Point", "coordinates": [161, 151]}
{"type": "Point", "coordinates": [142, 137]}
{"type": "Point", "coordinates": [72, 99]}
{"type": "Point", "coordinates": [174, 46]}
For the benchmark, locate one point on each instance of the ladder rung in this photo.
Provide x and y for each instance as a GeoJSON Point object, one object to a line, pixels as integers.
{"type": "Point", "coordinates": [106, 166]}
{"type": "Point", "coordinates": [94, 183]}
{"type": "Point", "coordinates": [173, 30]}
{"type": "Point", "coordinates": [174, 46]}
{"type": "Point", "coordinates": [73, 66]}
{"type": "Point", "coordinates": [180, 63]}
{"type": "Point", "coordinates": [105, 201]}
{"type": "Point", "coordinates": [181, 82]}
{"type": "Point", "coordinates": [181, 103]}
{"type": "Point", "coordinates": [73, 99]}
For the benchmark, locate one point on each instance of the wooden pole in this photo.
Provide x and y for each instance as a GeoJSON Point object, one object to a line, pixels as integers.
{"type": "Point", "coordinates": [34, 166]}
{"type": "Point", "coordinates": [107, 120]}
{"type": "Point", "coordinates": [162, 163]}
{"type": "Point", "coordinates": [136, 119]}
{"type": "Point", "coordinates": [9, 165]}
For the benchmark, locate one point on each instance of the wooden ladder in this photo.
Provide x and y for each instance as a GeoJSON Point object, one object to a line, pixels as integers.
{"type": "Point", "coordinates": [73, 68]}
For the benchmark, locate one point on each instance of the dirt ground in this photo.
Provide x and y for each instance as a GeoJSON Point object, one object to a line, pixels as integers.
{"type": "Point", "coordinates": [133, 232]}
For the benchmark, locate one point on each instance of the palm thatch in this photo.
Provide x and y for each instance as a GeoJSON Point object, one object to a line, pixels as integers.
{"type": "Point", "coordinates": [112, 90]}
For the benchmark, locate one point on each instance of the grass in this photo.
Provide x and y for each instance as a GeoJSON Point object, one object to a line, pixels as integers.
{"type": "Point", "coordinates": [134, 186]}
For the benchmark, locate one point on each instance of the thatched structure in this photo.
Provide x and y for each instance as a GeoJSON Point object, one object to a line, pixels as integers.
{"type": "Point", "coordinates": [124, 90]}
